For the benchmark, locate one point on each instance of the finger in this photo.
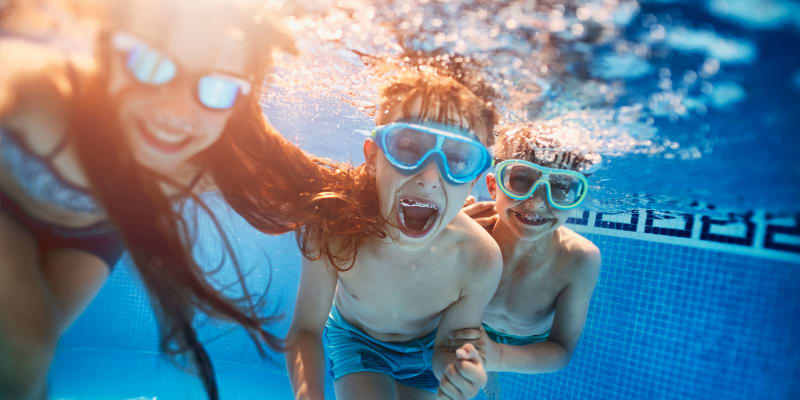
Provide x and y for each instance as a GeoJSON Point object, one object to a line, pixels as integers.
{"type": "Point", "coordinates": [473, 373]}
{"type": "Point", "coordinates": [465, 334]}
{"type": "Point", "coordinates": [486, 222]}
{"type": "Point", "coordinates": [483, 214]}
{"type": "Point", "coordinates": [479, 207]}
{"type": "Point", "coordinates": [470, 199]}
{"type": "Point", "coordinates": [464, 386]}
{"type": "Point", "coordinates": [449, 389]}
{"type": "Point", "coordinates": [468, 352]}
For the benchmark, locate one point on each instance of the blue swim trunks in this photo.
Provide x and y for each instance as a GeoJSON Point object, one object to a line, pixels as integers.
{"type": "Point", "coordinates": [513, 340]}
{"type": "Point", "coordinates": [351, 350]}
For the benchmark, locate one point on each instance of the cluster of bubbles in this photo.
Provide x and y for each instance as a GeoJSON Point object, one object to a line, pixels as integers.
{"type": "Point", "coordinates": [560, 60]}
{"type": "Point", "coordinates": [535, 58]}
{"type": "Point", "coordinates": [599, 71]}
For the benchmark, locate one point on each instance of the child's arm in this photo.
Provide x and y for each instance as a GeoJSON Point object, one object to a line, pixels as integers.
{"type": "Point", "coordinates": [462, 375]}
{"type": "Point", "coordinates": [305, 357]}
{"type": "Point", "coordinates": [553, 354]}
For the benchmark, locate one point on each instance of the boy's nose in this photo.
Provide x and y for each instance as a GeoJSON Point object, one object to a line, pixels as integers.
{"type": "Point", "coordinates": [429, 177]}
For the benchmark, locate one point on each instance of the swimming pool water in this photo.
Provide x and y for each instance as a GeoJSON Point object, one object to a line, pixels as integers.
{"type": "Point", "coordinates": [667, 321]}
{"type": "Point", "coordinates": [698, 303]}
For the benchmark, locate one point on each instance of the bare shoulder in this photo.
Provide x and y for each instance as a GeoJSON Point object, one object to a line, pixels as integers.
{"type": "Point", "coordinates": [35, 84]}
{"type": "Point", "coordinates": [581, 256]}
{"type": "Point", "coordinates": [478, 250]}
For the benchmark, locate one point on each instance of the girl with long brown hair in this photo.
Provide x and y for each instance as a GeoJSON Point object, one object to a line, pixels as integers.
{"type": "Point", "coordinates": [97, 151]}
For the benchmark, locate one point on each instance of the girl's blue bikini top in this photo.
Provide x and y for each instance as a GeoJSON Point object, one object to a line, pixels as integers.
{"type": "Point", "coordinates": [38, 178]}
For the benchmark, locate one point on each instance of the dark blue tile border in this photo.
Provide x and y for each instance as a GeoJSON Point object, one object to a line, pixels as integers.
{"type": "Point", "coordinates": [769, 239]}
{"type": "Point", "coordinates": [618, 226]}
{"type": "Point", "coordinates": [747, 240]}
{"type": "Point", "coordinates": [763, 234]}
{"type": "Point", "coordinates": [583, 220]}
{"type": "Point", "coordinates": [652, 216]}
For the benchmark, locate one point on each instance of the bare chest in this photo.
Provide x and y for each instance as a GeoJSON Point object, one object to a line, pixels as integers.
{"type": "Point", "coordinates": [399, 295]}
{"type": "Point", "coordinates": [525, 300]}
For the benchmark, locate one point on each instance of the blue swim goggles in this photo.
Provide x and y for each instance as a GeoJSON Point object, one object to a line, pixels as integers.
{"type": "Point", "coordinates": [150, 66]}
{"type": "Point", "coordinates": [409, 146]}
{"type": "Point", "coordinates": [518, 179]}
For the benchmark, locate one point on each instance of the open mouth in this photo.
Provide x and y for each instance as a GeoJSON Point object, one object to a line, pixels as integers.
{"type": "Point", "coordinates": [415, 217]}
{"type": "Point", "coordinates": [531, 218]}
{"type": "Point", "coordinates": [161, 139]}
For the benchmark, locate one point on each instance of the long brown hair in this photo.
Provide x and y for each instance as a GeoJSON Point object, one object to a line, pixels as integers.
{"type": "Point", "coordinates": [155, 233]}
{"type": "Point", "coordinates": [277, 187]}
{"type": "Point", "coordinates": [272, 183]}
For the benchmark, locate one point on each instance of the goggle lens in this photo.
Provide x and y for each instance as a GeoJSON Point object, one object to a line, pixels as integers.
{"type": "Point", "coordinates": [565, 190]}
{"type": "Point", "coordinates": [408, 146]}
{"type": "Point", "coordinates": [217, 92]}
{"type": "Point", "coordinates": [149, 66]}
{"type": "Point", "coordinates": [462, 158]}
{"type": "Point", "coordinates": [519, 179]}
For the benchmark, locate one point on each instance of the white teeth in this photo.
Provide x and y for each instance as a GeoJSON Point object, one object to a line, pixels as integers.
{"type": "Point", "coordinates": [404, 203]}
{"type": "Point", "coordinates": [164, 136]}
{"type": "Point", "coordinates": [412, 203]}
{"type": "Point", "coordinates": [530, 217]}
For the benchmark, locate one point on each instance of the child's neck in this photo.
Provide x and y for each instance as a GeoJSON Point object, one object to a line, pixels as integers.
{"type": "Point", "coordinates": [513, 247]}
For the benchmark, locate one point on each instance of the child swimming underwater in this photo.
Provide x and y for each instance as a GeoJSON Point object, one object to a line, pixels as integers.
{"type": "Point", "coordinates": [404, 292]}
{"type": "Point", "coordinates": [98, 149]}
{"type": "Point", "coordinates": [534, 320]}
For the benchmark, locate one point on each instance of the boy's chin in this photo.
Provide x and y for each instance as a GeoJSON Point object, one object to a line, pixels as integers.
{"type": "Point", "coordinates": [533, 233]}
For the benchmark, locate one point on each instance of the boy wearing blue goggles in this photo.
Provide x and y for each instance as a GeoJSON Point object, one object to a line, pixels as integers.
{"type": "Point", "coordinates": [537, 181]}
{"type": "Point", "coordinates": [434, 271]}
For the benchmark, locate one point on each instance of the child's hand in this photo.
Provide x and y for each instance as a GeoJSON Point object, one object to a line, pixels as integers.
{"type": "Point", "coordinates": [478, 338]}
{"type": "Point", "coordinates": [464, 378]}
{"type": "Point", "coordinates": [482, 212]}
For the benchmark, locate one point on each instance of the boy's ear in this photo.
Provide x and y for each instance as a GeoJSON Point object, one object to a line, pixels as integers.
{"type": "Point", "coordinates": [371, 156]}
{"type": "Point", "coordinates": [491, 185]}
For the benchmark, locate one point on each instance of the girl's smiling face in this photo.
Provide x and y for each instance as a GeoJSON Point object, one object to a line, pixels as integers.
{"type": "Point", "coordinates": [166, 125]}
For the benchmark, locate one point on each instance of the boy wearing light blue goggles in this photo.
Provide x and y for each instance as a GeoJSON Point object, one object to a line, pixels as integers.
{"type": "Point", "coordinates": [409, 146]}
{"type": "Point", "coordinates": [149, 66]}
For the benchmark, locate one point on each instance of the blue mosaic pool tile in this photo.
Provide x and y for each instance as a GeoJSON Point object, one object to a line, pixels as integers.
{"type": "Point", "coordinates": [674, 322]}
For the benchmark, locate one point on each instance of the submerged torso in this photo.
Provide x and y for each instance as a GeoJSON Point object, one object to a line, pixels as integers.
{"type": "Point", "coordinates": [396, 295]}
{"type": "Point", "coordinates": [526, 299]}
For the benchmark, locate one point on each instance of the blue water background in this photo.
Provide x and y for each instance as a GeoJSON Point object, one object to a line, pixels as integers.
{"type": "Point", "coordinates": [666, 321]}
